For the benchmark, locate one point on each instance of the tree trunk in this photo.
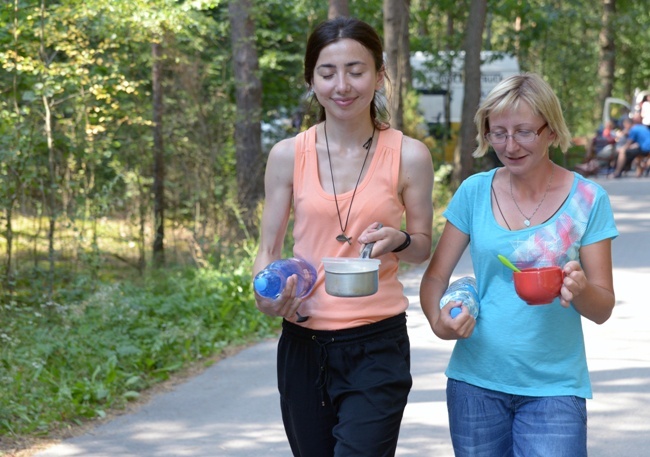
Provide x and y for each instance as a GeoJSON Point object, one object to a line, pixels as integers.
{"type": "Point", "coordinates": [448, 80]}
{"type": "Point", "coordinates": [607, 57]}
{"type": "Point", "coordinates": [396, 46]}
{"type": "Point", "coordinates": [8, 280]}
{"type": "Point", "coordinates": [142, 218]}
{"type": "Point", "coordinates": [248, 96]}
{"type": "Point", "coordinates": [51, 201]}
{"type": "Point", "coordinates": [51, 159]}
{"type": "Point", "coordinates": [158, 158]}
{"type": "Point", "coordinates": [463, 159]}
{"type": "Point", "coordinates": [338, 8]}
{"type": "Point", "coordinates": [405, 47]}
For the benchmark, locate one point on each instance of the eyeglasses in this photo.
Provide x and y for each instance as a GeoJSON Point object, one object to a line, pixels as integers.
{"type": "Point", "coordinates": [520, 136]}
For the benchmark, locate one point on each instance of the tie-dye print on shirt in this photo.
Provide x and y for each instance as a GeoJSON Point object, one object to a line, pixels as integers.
{"type": "Point", "coordinates": [559, 240]}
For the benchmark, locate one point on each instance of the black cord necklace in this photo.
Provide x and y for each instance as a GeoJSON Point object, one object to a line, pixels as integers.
{"type": "Point", "coordinates": [367, 145]}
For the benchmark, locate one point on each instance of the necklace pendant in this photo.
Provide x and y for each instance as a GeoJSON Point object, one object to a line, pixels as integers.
{"type": "Point", "coordinates": [526, 222]}
{"type": "Point", "coordinates": [343, 238]}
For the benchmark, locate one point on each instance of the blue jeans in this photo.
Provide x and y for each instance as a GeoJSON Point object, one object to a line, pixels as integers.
{"type": "Point", "coordinates": [486, 423]}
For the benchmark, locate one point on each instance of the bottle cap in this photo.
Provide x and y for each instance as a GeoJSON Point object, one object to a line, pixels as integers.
{"type": "Point", "coordinates": [455, 312]}
{"type": "Point", "coordinates": [261, 284]}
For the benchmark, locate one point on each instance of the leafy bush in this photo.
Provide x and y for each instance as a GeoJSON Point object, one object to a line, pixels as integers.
{"type": "Point", "coordinates": [60, 364]}
{"type": "Point", "coordinates": [441, 196]}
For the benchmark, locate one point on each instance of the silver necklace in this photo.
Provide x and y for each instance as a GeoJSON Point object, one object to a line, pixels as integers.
{"type": "Point", "coordinates": [526, 218]}
{"type": "Point", "coordinates": [343, 237]}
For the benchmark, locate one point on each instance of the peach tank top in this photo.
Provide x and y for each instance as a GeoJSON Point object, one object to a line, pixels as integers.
{"type": "Point", "coordinates": [317, 225]}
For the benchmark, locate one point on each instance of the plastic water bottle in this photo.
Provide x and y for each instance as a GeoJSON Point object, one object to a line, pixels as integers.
{"type": "Point", "coordinates": [462, 290]}
{"type": "Point", "coordinates": [270, 282]}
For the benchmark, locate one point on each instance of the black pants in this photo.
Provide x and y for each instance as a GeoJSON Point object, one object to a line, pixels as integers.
{"type": "Point", "coordinates": [343, 392]}
{"type": "Point", "coordinates": [632, 154]}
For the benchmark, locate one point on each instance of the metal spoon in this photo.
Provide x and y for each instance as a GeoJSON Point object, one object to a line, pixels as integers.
{"type": "Point", "coordinates": [508, 264]}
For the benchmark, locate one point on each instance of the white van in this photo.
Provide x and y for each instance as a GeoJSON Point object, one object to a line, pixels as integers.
{"type": "Point", "coordinates": [433, 82]}
{"type": "Point", "coordinates": [616, 108]}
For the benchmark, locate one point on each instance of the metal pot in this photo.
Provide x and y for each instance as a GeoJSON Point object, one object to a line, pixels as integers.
{"type": "Point", "coordinates": [352, 277]}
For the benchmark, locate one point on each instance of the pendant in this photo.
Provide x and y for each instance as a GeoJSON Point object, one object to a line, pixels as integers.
{"type": "Point", "coordinates": [527, 223]}
{"type": "Point", "coordinates": [343, 238]}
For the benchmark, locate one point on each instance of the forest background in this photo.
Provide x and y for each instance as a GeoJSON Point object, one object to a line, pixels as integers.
{"type": "Point", "coordinates": [133, 137]}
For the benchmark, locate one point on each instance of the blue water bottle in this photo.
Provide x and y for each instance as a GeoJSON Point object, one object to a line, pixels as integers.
{"type": "Point", "coordinates": [270, 282]}
{"type": "Point", "coordinates": [462, 290]}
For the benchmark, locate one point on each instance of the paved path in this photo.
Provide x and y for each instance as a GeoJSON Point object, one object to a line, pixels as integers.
{"type": "Point", "coordinates": [231, 410]}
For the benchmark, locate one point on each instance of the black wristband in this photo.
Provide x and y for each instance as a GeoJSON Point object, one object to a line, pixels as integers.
{"type": "Point", "coordinates": [405, 244]}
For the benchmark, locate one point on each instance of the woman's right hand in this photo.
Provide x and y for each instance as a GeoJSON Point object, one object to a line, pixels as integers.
{"type": "Point", "coordinates": [454, 328]}
{"type": "Point", "coordinates": [286, 305]}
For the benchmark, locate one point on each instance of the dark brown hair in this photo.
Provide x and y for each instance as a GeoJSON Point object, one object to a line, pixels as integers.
{"type": "Point", "coordinates": [332, 30]}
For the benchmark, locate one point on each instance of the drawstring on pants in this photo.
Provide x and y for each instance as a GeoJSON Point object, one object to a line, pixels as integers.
{"type": "Point", "coordinates": [321, 382]}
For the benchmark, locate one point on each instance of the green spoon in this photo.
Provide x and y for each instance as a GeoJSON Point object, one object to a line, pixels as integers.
{"type": "Point", "coordinates": [508, 264]}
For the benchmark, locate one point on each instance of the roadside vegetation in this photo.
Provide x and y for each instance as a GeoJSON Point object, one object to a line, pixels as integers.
{"type": "Point", "coordinates": [103, 343]}
{"type": "Point", "coordinates": [94, 349]}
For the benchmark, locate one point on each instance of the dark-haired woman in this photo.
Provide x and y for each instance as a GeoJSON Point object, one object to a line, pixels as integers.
{"type": "Point", "coordinates": [344, 373]}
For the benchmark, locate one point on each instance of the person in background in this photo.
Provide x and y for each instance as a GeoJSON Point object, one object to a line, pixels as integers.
{"type": "Point", "coordinates": [644, 110]}
{"type": "Point", "coordinates": [518, 378]}
{"type": "Point", "coordinates": [636, 148]}
{"type": "Point", "coordinates": [344, 372]}
{"type": "Point", "coordinates": [601, 150]}
{"type": "Point", "coordinates": [605, 151]}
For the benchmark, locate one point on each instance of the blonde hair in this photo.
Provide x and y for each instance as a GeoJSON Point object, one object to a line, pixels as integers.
{"type": "Point", "coordinates": [508, 94]}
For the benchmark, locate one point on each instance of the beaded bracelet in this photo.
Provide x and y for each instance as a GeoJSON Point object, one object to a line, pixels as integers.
{"type": "Point", "coordinates": [405, 244]}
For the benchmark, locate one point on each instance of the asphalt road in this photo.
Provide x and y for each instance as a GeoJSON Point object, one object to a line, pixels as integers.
{"type": "Point", "coordinates": [232, 408]}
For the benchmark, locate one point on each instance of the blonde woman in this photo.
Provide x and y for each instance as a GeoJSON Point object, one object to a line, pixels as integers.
{"type": "Point", "coordinates": [518, 377]}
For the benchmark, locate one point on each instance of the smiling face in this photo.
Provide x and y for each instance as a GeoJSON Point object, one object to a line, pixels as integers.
{"type": "Point", "coordinates": [521, 156]}
{"type": "Point", "coordinates": [345, 79]}
{"type": "Point", "coordinates": [508, 95]}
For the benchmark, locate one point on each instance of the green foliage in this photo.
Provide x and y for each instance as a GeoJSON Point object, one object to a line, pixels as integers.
{"type": "Point", "coordinates": [442, 193]}
{"type": "Point", "coordinates": [281, 37]}
{"type": "Point", "coordinates": [632, 36]}
{"type": "Point", "coordinates": [63, 363]}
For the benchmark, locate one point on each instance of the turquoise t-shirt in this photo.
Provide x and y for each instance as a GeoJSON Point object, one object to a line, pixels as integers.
{"type": "Point", "coordinates": [517, 348]}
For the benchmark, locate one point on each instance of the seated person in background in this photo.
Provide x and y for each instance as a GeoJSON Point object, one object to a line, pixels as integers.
{"type": "Point", "coordinates": [601, 150]}
{"type": "Point", "coordinates": [645, 110]}
{"type": "Point", "coordinates": [642, 165]}
{"type": "Point", "coordinates": [609, 131]}
{"type": "Point", "coordinates": [603, 145]}
{"type": "Point", "coordinates": [636, 145]}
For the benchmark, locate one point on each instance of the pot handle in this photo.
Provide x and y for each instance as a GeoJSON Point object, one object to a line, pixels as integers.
{"type": "Point", "coordinates": [367, 249]}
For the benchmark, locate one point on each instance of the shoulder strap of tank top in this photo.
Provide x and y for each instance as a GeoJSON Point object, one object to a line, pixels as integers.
{"type": "Point", "coordinates": [302, 144]}
{"type": "Point", "coordinates": [392, 139]}
{"type": "Point", "coordinates": [305, 139]}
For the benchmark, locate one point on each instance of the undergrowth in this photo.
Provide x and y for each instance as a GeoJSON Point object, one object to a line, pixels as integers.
{"type": "Point", "coordinates": [100, 343]}
{"type": "Point", "coordinates": [67, 363]}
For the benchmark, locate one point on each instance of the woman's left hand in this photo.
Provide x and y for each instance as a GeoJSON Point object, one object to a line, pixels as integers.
{"type": "Point", "coordinates": [575, 281]}
{"type": "Point", "coordinates": [385, 238]}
